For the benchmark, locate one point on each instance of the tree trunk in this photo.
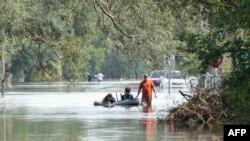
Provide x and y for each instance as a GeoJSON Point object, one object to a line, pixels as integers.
{"type": "Point", "coordinates": [3, 78]}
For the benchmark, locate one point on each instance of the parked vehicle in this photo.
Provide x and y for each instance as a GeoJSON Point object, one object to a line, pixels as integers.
{"type": "Point", "coordinates": [156, 75]}
{"type": "Point", "coordinates": [175, 78]}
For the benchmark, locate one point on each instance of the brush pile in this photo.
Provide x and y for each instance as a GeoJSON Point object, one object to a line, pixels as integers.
{"type": "Point", "coordinates": [205, 106]}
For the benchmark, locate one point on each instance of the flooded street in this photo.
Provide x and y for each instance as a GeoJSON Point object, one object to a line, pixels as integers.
{"type": "Point", "coordinates": [59, 112]}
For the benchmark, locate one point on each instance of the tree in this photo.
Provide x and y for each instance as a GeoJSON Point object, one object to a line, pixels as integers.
{"type": "Point", "coordinates": [227, 35]}
{"type": "Point", "coordinates": [54, 33]}
{"type": "Point", "coordinates": [139, 28]}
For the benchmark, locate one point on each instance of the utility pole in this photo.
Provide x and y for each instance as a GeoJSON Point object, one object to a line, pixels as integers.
{"type": "Point", "coordinates": [170, 63]}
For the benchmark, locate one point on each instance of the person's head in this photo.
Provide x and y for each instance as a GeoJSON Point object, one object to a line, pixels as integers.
{"type": "Point", "coordinates": [127, 90]}
{"type": "Point", "coordinates": [109, 96]}
{"type": "Point", "coordinates": [145, 76]}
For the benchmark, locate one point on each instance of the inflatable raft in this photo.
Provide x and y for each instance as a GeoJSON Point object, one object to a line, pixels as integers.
{"type": "Point", "coordinates": [131, 102]}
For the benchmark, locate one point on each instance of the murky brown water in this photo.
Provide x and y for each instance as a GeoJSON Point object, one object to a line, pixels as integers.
{"type": "Point", "coordinates": [55, 112]}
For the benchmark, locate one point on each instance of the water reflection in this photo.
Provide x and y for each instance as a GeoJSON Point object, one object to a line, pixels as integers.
{"type": "Point", "coordinates": [149, 123]}
{"type": "Point", "coordinates": [197, 133]}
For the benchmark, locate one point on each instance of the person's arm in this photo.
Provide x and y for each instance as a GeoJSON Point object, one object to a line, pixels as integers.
{"type": "Point", "coordinates": [139, 90]}
{"type": "Point", "coordinates": [154, 92]}
{"type": "Point", "coordinates": [113, 100]}
{"type": "Point", "coordinates": [153, 87]}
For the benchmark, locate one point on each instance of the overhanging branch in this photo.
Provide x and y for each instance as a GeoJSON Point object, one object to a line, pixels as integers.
{"type": "Point", "coordinates": [108, 13]}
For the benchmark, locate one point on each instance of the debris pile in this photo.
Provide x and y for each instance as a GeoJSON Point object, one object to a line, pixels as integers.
{"type": "Point", "coordinates": [205, 106]}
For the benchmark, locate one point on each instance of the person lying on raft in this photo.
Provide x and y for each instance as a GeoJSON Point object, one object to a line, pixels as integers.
{"type": "Point", "coordinates": [108, 99]}
{"type": "Point", "coordinates": [127, 94]}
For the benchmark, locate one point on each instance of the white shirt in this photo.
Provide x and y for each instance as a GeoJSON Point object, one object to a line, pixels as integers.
{"type": "Point", "coordinates": [99, 76]}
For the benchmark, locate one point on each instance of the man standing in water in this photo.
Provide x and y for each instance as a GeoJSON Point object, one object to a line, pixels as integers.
{"type": "Point", "coordinates": [147, 87]}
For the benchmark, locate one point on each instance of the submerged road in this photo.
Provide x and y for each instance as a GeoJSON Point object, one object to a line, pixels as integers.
{"type": "Point", "coordinates": [65, 112]}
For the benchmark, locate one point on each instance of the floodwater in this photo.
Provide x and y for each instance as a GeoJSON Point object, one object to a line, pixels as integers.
{"type": "Point", "coordinates": [65, 112]}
